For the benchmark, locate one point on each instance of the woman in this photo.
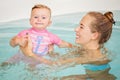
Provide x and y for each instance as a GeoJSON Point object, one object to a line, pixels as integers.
{"type": "Point", "coordinates": [93, 31]}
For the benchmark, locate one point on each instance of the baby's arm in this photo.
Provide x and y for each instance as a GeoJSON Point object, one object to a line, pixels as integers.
{"type": "Point", "coordinates": [55, 40]}
{"type": "Point", "coordinates": [62, 44]}
{"type": "Point", "coordinates": [15, 41]}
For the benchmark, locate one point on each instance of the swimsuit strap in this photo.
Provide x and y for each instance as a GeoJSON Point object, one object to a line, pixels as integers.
{"type": "Point", "coordinates": [96, 67]}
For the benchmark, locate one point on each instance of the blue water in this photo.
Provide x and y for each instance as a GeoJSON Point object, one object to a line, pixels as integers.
{"type": "Point", "coordinates": [63, 26]}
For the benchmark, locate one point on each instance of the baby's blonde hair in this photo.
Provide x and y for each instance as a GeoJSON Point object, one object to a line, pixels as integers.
{"type": "Point", "coordinates": [40, 6]}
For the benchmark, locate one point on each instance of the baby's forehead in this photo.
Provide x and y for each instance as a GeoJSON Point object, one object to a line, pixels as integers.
{"type": "Point", "coordinates": [45, 8]}
{"type": "Point", "coordinates": [41, 11]}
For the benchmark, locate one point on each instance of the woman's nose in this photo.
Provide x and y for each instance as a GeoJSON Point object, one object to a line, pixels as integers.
{"type": "Point", "coordinates": [76, 29]}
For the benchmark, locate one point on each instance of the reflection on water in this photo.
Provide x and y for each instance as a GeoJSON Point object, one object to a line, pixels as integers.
{"type": "Point", "coordinates": [24, 71]}
{"type": "Point", "coordinates": [44, 72]}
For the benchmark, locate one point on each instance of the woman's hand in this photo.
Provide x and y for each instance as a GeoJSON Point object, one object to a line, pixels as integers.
{"type": "Point", "coordinates": [27, 48]}
{"type": "Point", "coordinates": [27, 51]}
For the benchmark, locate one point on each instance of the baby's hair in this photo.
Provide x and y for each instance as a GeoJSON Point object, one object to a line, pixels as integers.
{"type": "Point", "coordinates": [109, 16]}
{"type": "Point", "coordinates": [40, 6]}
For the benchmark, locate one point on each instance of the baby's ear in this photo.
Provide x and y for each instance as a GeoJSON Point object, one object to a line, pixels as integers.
{"type": "Point", "coordinates": [30, 21]}
{"type": "Point", "coordinates": [50, 22]}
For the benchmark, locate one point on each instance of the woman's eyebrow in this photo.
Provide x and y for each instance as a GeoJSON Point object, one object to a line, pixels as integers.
{"type": "Point", "coordinates": [82, 24]}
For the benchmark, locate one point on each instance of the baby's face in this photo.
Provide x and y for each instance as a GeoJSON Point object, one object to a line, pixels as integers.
{"type": "Point", "coordinates": [40, 18]}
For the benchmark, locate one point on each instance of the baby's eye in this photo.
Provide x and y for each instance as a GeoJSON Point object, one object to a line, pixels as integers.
{"type": "Point", "coordinates": [43, 17]}
{"type": "Point", "coordinates": [35, 17]}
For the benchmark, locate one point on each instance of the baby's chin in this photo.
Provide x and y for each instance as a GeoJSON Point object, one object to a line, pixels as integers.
{"type": "Point", "coordinates": [39, 28]}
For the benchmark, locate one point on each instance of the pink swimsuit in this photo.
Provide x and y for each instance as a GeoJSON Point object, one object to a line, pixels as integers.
{"type": "Point", "coordinates": [41, 40]}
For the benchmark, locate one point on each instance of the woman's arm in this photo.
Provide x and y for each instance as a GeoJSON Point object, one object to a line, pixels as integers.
{"type": "Point", "coordinates": [64, 44]}
{"type": "Point", "coordinates": [27, 51]}
{"type": "Point", "coordinates": [82, 60]}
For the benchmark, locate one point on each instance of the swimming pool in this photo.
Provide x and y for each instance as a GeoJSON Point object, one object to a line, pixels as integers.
{"type": "Point", "coordinates": [63, 26]}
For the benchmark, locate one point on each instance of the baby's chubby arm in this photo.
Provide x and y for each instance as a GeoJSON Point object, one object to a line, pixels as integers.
{"type": "Point", "coordinates": [15, 41]}
{"type": "Point", "coordinates": [62, 44]}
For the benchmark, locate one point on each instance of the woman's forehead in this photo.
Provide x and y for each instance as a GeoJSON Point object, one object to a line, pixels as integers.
{"type": "Point", "coordinates": [86, 20]}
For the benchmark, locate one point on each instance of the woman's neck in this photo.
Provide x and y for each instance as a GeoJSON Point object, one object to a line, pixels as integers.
{"type": "Point", "coordinates": [93, 50]}
{"type": "Point", "coordinates": [92, 46]}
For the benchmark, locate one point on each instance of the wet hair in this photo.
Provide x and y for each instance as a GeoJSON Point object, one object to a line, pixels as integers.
{"type": "Point", "coordinates": [41, 6]}
{"type": "Point", "coordinates": [102, 23]}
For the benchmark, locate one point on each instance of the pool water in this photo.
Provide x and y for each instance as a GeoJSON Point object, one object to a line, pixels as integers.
{"type": "Point", "coordinates": [63, 26]}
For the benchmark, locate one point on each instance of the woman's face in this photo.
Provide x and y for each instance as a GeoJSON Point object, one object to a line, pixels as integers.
{"type": "Point", "coordinates": [83, 31]}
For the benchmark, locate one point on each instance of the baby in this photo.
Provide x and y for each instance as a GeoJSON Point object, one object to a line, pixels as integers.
{"type": "Point", "coordinates": [41, 38]}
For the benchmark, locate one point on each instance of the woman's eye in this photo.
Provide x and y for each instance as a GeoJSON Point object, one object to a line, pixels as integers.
{"type": "Point", "coordinates": [81, 27]}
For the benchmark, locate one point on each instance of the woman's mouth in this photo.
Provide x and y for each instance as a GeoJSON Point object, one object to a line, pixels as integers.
{"type": "Point", "coordinates": [77, 36]}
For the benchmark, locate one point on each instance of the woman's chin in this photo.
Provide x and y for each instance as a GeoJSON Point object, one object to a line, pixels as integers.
{"type": "Point", "coordinates": [76, 41]}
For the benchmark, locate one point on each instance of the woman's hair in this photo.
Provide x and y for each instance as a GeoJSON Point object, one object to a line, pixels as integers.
{"type": "Point", "coordinates": [102, 23]}
{"type": "Point", "coordinates": [41, 6]}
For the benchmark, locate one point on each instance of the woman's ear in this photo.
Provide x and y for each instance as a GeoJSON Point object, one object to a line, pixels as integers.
{"type": "Point", "coordinates": [95, 35]}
